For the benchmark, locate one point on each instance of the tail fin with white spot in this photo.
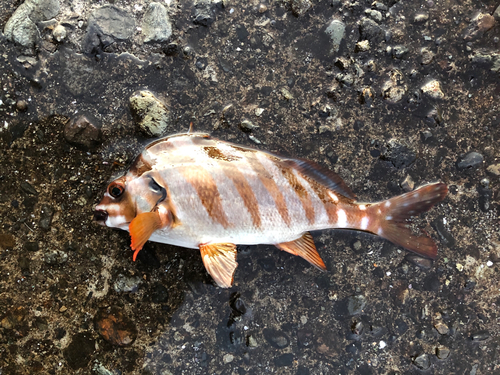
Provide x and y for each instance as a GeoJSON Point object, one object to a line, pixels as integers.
{"type": "Point", "coordinates": [396, 211]}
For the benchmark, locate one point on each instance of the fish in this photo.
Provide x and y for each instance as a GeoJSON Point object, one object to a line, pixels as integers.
{"type": "Point", "coordinates": [195, 191]}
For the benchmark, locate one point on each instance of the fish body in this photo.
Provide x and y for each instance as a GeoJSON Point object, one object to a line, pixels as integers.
{"type": "Point", "coordinates": [193, 191]}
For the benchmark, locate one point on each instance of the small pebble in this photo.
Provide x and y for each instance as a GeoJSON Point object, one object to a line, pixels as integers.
{"type": "Point", "coordinates": [441, 328]}
{"type": "Point", "coordinates": [21, 105]}
{"type": "Point", "coordinates": [433, 89]}
{"type": "Point", "coordinates": [420, 17]}
{"type": "Point", "coordinates": [494, 169]}
{"type": "Point", "coordinates": [422, 361]}
{"type": "Point", "coordinates": [471, 160]}
{"type": "Point", "coordinates": [356, 304]}
{"type": "Point", "coordinates": [262, 8]}
{"type": "Point", "coordinates": [228, 358]}
{"type": "Point", "coordinates": [59, 33]}
{"type": "Point", "coordinates": [480, 335]}
{"type": "Point", "coordinates": [442, 352]}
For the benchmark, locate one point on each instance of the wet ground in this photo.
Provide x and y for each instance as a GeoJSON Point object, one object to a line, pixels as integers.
{"type": "Point", "coordinates": [72, 300]}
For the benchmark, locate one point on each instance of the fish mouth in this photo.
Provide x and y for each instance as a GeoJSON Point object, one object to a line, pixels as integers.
{"type": "Point", "coordinates": [100, 216]}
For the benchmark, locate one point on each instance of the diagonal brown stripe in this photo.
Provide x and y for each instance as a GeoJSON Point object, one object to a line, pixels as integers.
{"type": "Point", "coordinates": [207, 191]}
{"type": "Point", "coordinates": [245, 191]}
{"type": "Point", "coordinates": [267, 180]}
{"type": "Point", "coordinates": [297, 187]}
{"type": "Point", "coordinates": [328, 203]}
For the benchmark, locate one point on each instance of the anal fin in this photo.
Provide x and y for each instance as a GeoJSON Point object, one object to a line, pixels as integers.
{"type": "Point", "coordinates": [304, 247]}
{"type": "Point", "coordinates": [141, 228]}
{"type": "Point", "coordinates": [220, 262]}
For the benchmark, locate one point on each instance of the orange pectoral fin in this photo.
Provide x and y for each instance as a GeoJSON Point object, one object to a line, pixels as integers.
{"type": "Point", "coordinates": [304, 247]}
{"type": "Point", "coordinates": [141, 228]}
{"type": "Point", "coordinates": [220, 262]}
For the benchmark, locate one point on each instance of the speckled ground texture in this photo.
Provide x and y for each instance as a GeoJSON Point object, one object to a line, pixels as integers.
{"type": "Point", "coordinates": [362, 111]}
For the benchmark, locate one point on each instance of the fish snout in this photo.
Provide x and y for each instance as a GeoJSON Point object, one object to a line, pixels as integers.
{"type": "Point", "coordinates": [101, 216]}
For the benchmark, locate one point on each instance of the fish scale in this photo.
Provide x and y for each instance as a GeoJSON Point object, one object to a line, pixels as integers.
{"type": "Point", "coordinates": [193, 191]}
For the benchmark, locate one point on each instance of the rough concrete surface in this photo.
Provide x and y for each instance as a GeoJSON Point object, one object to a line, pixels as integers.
{"type": "Point", "coordinates": [397, 94]}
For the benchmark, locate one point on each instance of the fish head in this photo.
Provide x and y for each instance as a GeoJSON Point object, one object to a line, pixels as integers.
{"type": "Point", "coordinates": [126, 197]}
{"type": "Point", "coordinates": [117, 208]}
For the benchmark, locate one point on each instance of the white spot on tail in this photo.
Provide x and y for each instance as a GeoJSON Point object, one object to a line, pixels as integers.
{"type": "Point", "coordinates": [380, 231]}
{"type": "Point", "coordinates": [333, 196]}
{"type": "Point", "coordinates": [388, 217]}
{"type": "Point", "coordinates": [437, 188]}
{"type": "Point", "coordinates": [341, 219]}
{"type": "Point", "coordinates": [362, 207]}
{"type": "Point", "coordinates": [416, 195]}
{"type": "Point", "coordinates": [364, 222]}
{"type": "Point", "coordinates": [388, 204]}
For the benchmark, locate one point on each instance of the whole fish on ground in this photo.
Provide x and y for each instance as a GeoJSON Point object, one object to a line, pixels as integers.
{"type": "Point", "coordinates": [197, 192]}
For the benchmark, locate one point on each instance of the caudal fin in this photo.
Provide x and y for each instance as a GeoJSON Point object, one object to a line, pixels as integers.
{"type": "Point", "coordinates": [396, 211]}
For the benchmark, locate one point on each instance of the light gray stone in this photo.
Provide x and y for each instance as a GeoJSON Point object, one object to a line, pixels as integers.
{"type": "Point", "coordinates": [21, 28]}
{"type": "Point", "coordinates": [156, 25]}
{"type": "Point", "coordinates": [336, 31]}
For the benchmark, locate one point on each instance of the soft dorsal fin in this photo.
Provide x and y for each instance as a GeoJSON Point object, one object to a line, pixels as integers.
{"type": "Point", "coordinates": [304, 247]}
{"type": "Point", "coordinates": [220, 262]}
{"type": "Point", "coordinates": [322, 175]}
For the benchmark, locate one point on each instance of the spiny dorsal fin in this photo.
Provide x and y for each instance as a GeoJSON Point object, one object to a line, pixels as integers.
{"type": "Point", "coordinates": [322, 175]}
{"type": "Point", "coordinates": [220, 262]}
{"type": "Point", "coordinates": [304, 247]}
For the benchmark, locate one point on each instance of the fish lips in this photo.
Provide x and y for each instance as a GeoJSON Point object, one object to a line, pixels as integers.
{"type": "Point", "coordinates": [100, 216]}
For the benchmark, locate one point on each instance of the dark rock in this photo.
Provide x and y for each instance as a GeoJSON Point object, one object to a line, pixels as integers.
{"type": "Point", "coordinates": [46, 214]}
{"type": "Point", "coordinates": [83, 132]}
{"type": "Point", "coordinates": [28, 188]}
{"type": "Point", "coordinates": [242, 33]}
{"type": "Point", "coordinates": [201, 63]}
{"type": "Point", "coordinates": [485, 197]}
{"type": "Point", "coordinates": [442, 352]}
{"type": "Point", "coordinates": [31, 246]}
{"type": "Point", "coordinates": [305, 337]}
{"type": "Point", "coordinates": [446, 237]}
{"type": "Point", "coordinates": [480, 335]}
{"type": "Point", "coordinates": [431, 283]}
{"type": "Point", "coordinates": [80, 349]}
{"type": "Point", "coordinates": [107, 24]}
{"type": "Point", "coordinates": [171, 49]}
{"type": "Point", "coordinates": [159, 294]}
{"type": "Point", "coordinates": [471, 160]}
{"type": "Point", "coordinates": [114, 326]}
{"type": "Point", "coordinates": [24, 265]}
{"type": "Point", "coordinates": [276, 338]}
{"type": "Point", "coordinates": [156, 25]}
{"type": "Point", "coordinates": [422, 361]}
{"type": "Point", "coordinates": [203, 13]}
{"type": "Point", "coordinates": [267, 264]}
{"type": "Point", "coordinates": [284, 360]}
{"type": "Point", "coordinates": [356, 304]}
{"type": "Point", "coordinates": [400, 155]}
{"type": "Point", "coordinates": [371, 31]}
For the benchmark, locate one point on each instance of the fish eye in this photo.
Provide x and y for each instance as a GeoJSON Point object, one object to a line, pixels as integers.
{"type": "Point", "coordinates": [116, 190]}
